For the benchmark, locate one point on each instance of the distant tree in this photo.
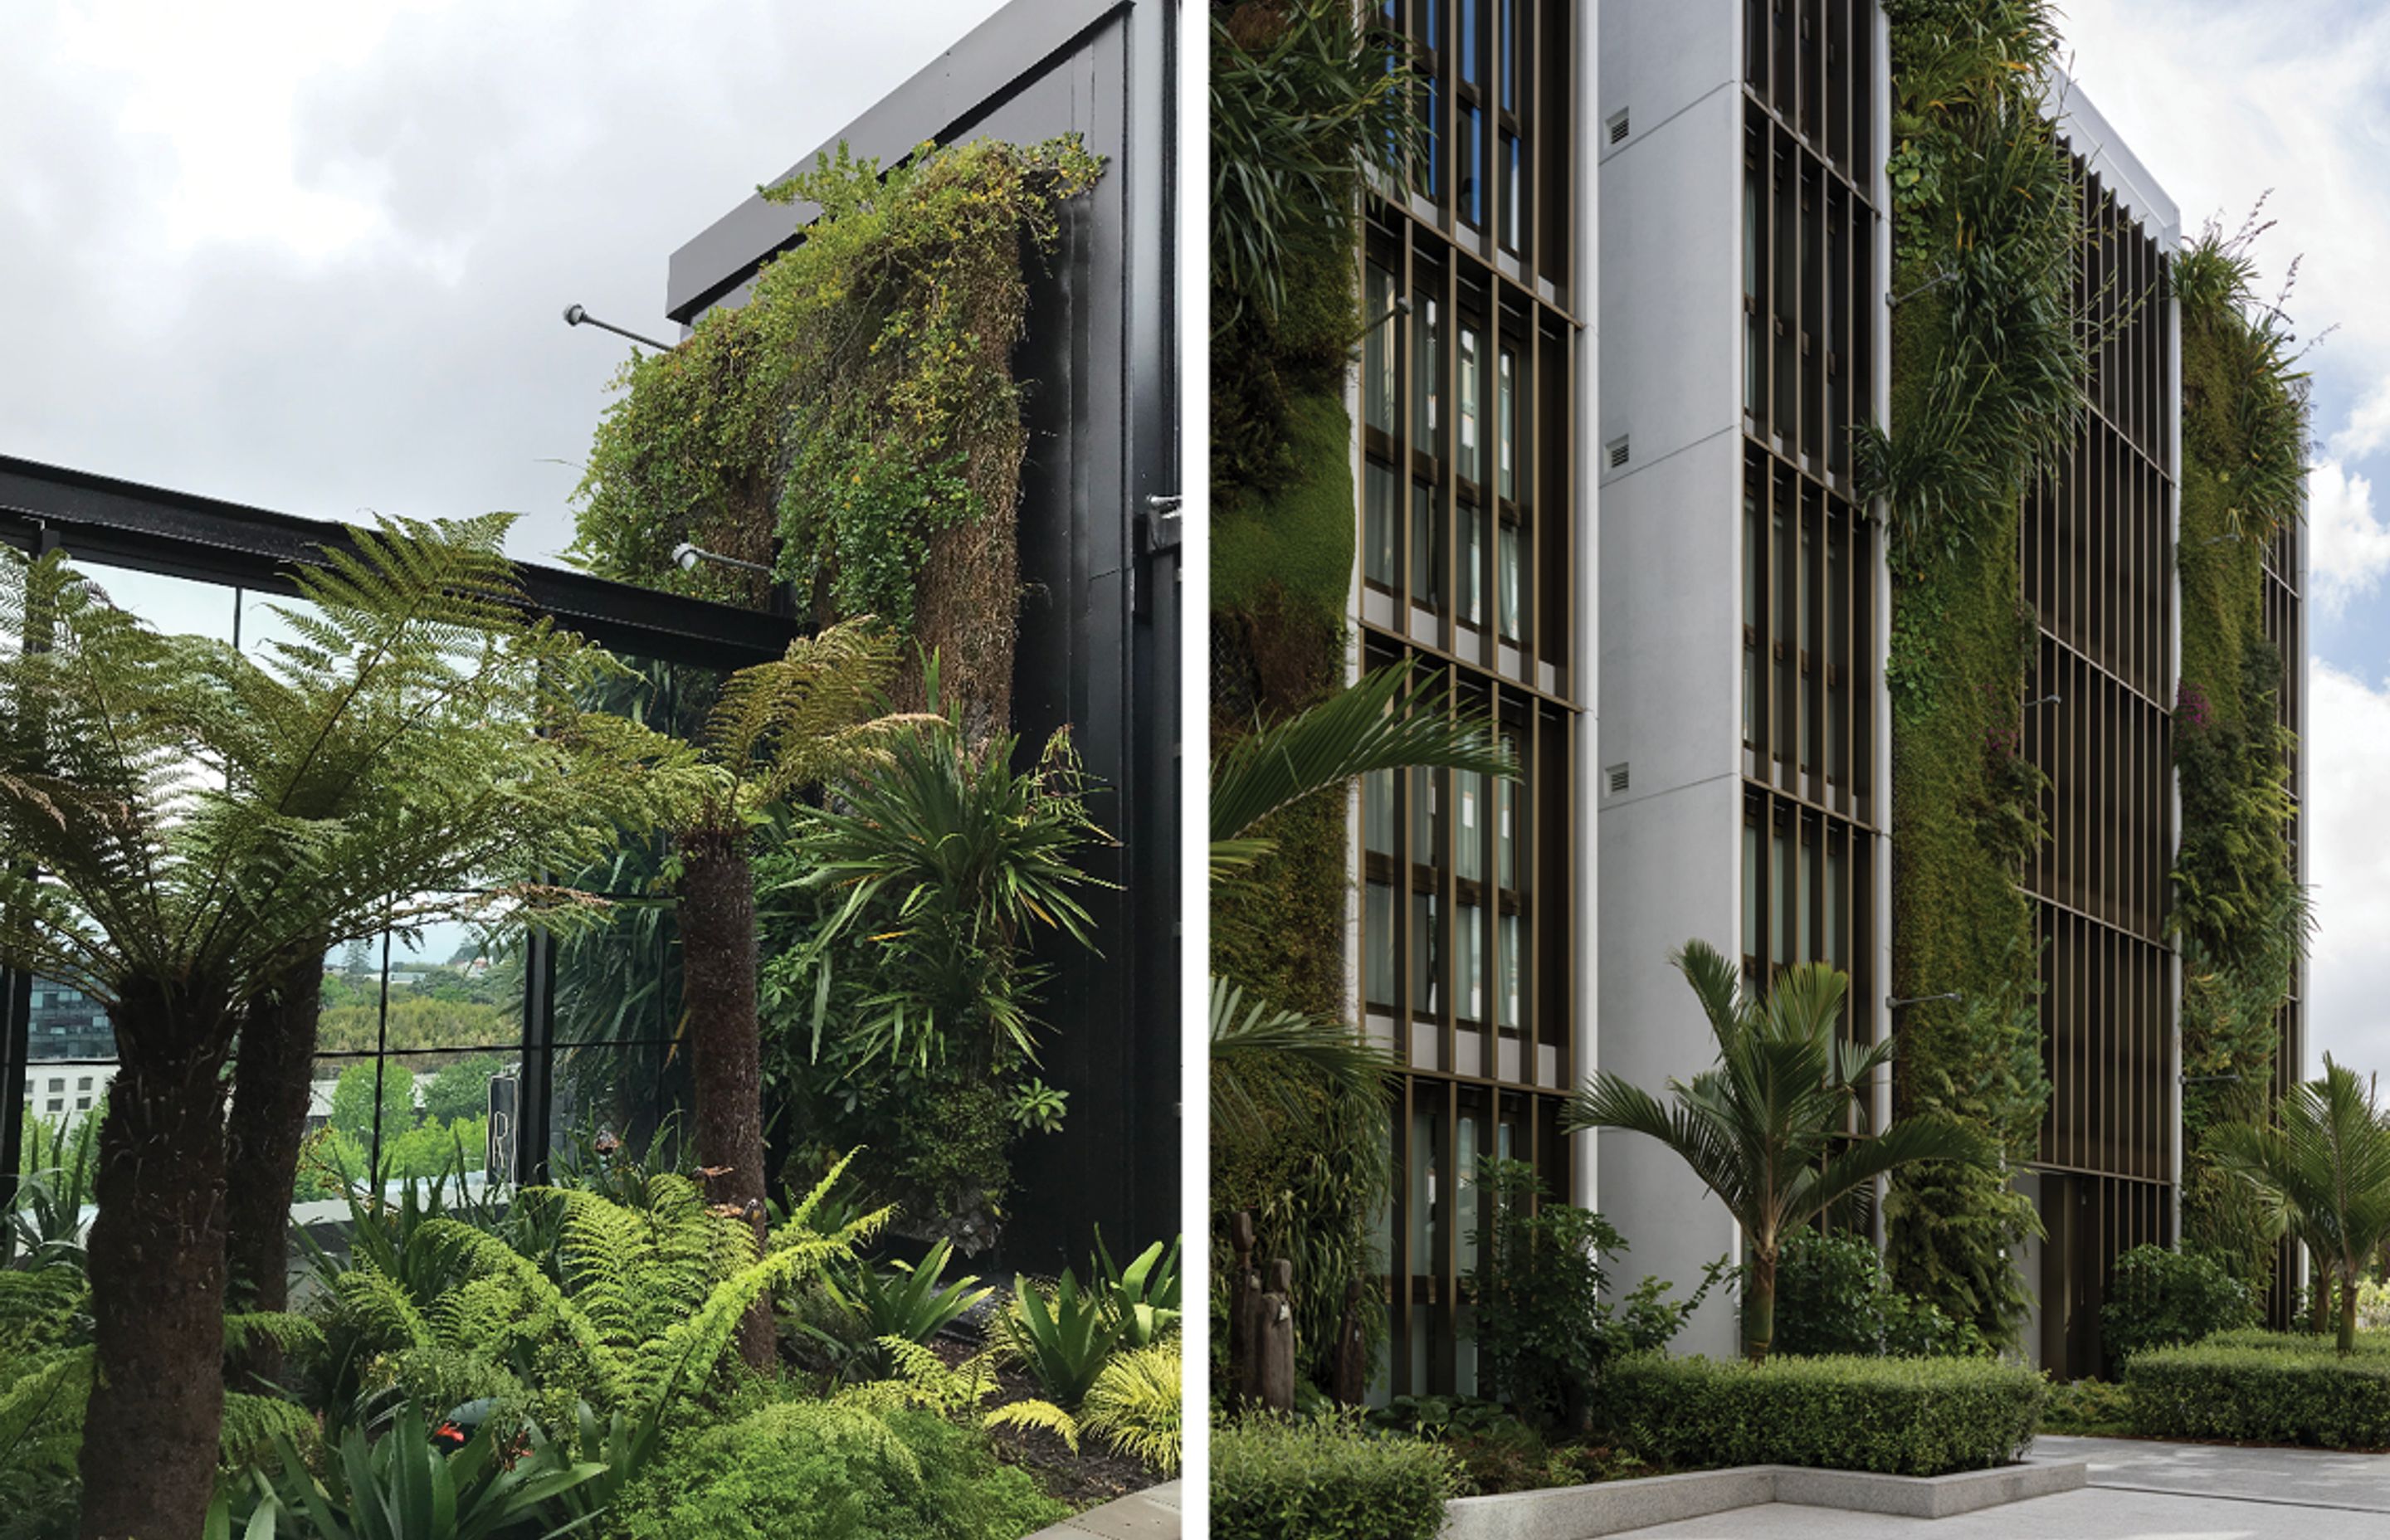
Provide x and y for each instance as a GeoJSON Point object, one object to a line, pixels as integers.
{"type": "Point", "coordinates": [357, 961]}
{"type": "Point", "coordinates": [461, 1089]}
{"type": "Point", "coordinates": [353, 1101]}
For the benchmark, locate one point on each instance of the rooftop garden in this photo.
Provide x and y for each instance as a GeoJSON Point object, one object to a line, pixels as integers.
{"type": "Point", "coordinates": [795, 926]}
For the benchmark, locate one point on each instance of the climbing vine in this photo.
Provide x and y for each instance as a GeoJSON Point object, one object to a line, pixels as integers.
{"type": "Point", "coordinates": [855, 425]}
{"type": "Point", "coordinates": [2238, 912]}
{"type": "Point", "coordinates": [1987, 360]}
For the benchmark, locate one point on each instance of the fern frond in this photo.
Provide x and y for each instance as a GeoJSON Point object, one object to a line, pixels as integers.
{"type": "Point", "coordinates": [1035, 1413]}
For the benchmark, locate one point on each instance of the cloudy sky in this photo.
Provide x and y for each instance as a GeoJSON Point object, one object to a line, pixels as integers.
{"type": "Point", "coordinates": [2224, 100]}
{"type": "Point", "coordinates": [312, 257]}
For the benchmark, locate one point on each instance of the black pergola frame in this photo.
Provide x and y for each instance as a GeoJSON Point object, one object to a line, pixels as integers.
{"type": "Point", "coordinates": [103, 518]}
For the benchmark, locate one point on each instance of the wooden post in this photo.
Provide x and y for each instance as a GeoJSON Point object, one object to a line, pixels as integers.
{"type": "Point", "coordinates": [1277, 1339]}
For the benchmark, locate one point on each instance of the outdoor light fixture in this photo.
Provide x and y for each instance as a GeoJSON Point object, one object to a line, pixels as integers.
{"type": "Point", "coordinates": [2200, 1080]}
{"type": "Point", "coordinates": [574, 315]}
{"type": "Point", "coordinates": [2217, 540]}
{"type": "Point", "coordinates": [2050, 700]}
{"type": "Point", "coordinates": [686, 557]}
{"type": "Point", "coordinates": [1894, 1003]}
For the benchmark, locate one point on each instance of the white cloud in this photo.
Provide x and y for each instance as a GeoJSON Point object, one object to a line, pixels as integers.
{"type": "Point", "coordinates": [2368, 428]}
{"type": "Point", "coordinates": [2347, 761]}
{"type": "Point", "coordinates": [2348, 548]}
{"type": "Point", "coordinates": [312, 257]}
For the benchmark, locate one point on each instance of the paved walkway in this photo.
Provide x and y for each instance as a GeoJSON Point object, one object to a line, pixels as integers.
{"type": "Point", "coordinates": [1148, 1515]}
{"type": "Point", "coordinates": [2139, 1490]}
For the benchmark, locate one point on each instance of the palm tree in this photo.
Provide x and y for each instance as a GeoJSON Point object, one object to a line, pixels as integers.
{"type": "Point", "coordinates": [165, 860]}
{"type": "Point", "coordinates": [1388, 721]}
{"type": "Point", "coordinates": [777, 729]}
{"type": "Point", "coordinates": [1765, 1130]}
{"type": "Point", "coordinates": [2324, 1170]}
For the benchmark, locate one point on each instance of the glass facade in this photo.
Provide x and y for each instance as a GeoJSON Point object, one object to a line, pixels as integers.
{"type": "Point", "coordinates": [434, 1045]}
{"type": "Point", "coordinates": [1468, 883]}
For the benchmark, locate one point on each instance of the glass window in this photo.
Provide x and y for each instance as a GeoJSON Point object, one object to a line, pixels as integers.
{"type": "Point", "coordinates": [1508, 46]}
{"type": "Point", "coordinates": [1430, 141]}
{"type": "Point", "coordinates": [1378, 352]}
{"type": "Point", "coordinates": [1505, 829]}
{"type": "Point", "coordinates": [1427, 823]}
{"type": "Point", "coordinates": [1513, 192]}
{"type": "Point", "coordinates": [1381, 516]}
{"type": "Point", "coordinates": [1426, 417]}
{"type": "Point", "coordinates": [1426, 971]}
{"type": "Point", "coordinates": [1427, 547]}
{"type": "Point", "coordinates": [1469, 963]}
{"type": "Point", "coordinates": [1378, 943]}
{"type": "Point", "coordinates": [1470, 470]}
{"type": "Point", "coordinates": [1467, 799]}
{"type": "Point", "coordinates": [1470, 152]}
{"type": "Point", "coordinates": [1508, 559]}
{"type": "Point", "coordinates": [1505, 427]}
{"type": "Point", "coordinates": [1749, 885]}
{"type": "Point", "coordinates": [1467, 41]}
{"type": "Point", "coordinates": [1378, 812]}
{"type": "Point", "coordinates": [1472, 567]}
{"type": "Point", "coordinates": [1507, 971]}
{"type": "Point", "coordinates": [1750, 292]}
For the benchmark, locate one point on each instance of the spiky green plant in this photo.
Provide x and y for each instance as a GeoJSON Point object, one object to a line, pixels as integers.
{"type": "Point", "coordinates": [1766, 1130]}
{"type": "Point", "coordinates": [1134, 1405]}
{"type": "Point", "coordinates": [920, 1378]}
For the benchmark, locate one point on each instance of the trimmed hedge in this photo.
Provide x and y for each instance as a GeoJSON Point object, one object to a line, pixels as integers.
{"type": "Point", "coordinates": [1327, 1479]}
{"type": "Point", "coordinates": [2285, 1389]}
{"type": "Point", "coordinates": [1898, 1417]}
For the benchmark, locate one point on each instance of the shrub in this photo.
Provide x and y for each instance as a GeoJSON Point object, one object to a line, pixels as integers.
{"type": "Point", "coordinates": [1544, 1331]}
{"type": "Point", "coordinates": [1326, 1478]}
{"type": "Point", "coordinates": [2091, 1406]}
{"type": "Point", "coordinates": [812, 1469]}
{"type": "Point", "coordinates": [2158, 1298]}
{"type": "Point", "coordinates": [1134, 1405]}
{"type": "Point", "coordinates": [2287, 1390]}
{"type": "Point", "coordinates": [1902, 1416]}
{"type": "Point", "coordinates": [1832, 1296]}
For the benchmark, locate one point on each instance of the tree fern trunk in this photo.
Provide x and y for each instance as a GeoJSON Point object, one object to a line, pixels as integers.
{"type": "Point", "coordinates": [268, 1125]}
{"type": "Point", "coordinates": [718, 962]}
{"type": "Point", "coordinates": [157, 1265]}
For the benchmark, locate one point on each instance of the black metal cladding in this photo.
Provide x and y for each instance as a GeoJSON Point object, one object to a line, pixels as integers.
{"type": "Point", "coordinates": [1099, 641]}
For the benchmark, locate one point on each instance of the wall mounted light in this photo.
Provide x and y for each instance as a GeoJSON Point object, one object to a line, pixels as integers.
{"type": "Point", "coordinates": [686, 557]}
{"type": "Point", "coordinates": [577, 316]}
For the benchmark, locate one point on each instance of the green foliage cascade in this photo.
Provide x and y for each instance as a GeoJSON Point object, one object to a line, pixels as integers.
{"type": "Point", "coordinates": [1987, 361]}
{"type": "Point", "coordinates": [855, 423]}
{"type": "Point", "coordinates": [2239, 913]}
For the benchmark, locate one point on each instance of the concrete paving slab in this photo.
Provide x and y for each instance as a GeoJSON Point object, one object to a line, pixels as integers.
{"type": "Point", "coordinates": [1148, 1515]}
{"type": "Point", "coordinates": [2091, 1513]}
{"type": "Point", "coordinates": [2308, 1478]}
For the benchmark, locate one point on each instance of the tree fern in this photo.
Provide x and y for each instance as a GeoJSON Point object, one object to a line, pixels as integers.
{"type": "Point", "coordinates": [920, 1378]}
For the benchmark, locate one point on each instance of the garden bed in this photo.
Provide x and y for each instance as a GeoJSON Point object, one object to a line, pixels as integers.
{"type": "Point", "coordinates": [1612, 1508]}
{"type": "Point", "coordinates": [1089, 1477]}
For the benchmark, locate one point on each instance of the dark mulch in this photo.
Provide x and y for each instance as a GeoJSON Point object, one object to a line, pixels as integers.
{"type": "Point", "coordinates": [1092, 1476]}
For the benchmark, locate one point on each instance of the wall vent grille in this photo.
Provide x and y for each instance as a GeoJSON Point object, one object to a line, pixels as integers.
{"type": "Point", "coordinates": [1617, 773]}
{"type": "Point", "coordinates": [1619, 451]}
{"type": "Point", "coordinates": [1618, 126]}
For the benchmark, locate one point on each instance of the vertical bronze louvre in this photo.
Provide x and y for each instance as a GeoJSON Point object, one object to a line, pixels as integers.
{"type": "Point", "coordinates": [1470, 491]}
{"type": "Point", "coordinates": [1811, 814]}
{"type": "Point", "coordinates": [2097, 571]}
